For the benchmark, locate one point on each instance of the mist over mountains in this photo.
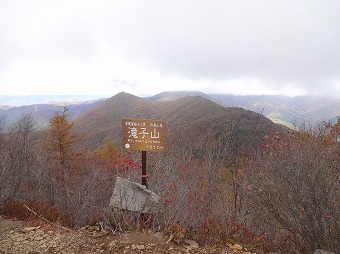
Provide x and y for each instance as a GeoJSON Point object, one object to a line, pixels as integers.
{"type": "Point", "coordinates": [26, 100]}
{"type": "Point", "coordinates": [288, 111]}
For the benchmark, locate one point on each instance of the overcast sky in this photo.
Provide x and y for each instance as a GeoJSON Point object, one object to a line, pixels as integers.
{"type": "Point", "coordinates": [103, 47]}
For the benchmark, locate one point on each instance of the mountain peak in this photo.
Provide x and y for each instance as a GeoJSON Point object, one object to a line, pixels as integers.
{"type": "Point", "coordinates": [174, 95]}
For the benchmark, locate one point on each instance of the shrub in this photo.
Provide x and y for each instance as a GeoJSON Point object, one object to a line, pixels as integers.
{"type": "Point", "coordinates": [29, 210]}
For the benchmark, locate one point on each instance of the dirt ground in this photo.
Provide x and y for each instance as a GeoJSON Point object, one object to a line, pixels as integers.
{"type": "Point", "coordinates": [37, 238]}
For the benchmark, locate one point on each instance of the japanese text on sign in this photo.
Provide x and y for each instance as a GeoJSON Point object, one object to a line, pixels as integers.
{"type": "Point", "coordinates": [145, 135]}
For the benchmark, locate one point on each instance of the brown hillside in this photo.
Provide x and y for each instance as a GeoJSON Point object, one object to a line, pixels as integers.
{"type": "Point", "coordinates": [193, 121]}
{"type": "Point", "coordinates": [103, 123]}
{"type": "Point", "coordinates": [197, 122]}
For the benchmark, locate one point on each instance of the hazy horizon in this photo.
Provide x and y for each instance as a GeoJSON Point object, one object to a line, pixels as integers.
{"type": "Point", "coordinates": [26, 100]}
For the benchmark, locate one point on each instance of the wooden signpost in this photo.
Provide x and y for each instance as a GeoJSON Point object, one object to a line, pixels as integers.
{"type": "Point", "coordinates": [145, 135]}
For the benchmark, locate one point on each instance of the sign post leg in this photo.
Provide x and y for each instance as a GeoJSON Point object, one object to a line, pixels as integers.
{"type": "Point", "coordinates": [144, 175]}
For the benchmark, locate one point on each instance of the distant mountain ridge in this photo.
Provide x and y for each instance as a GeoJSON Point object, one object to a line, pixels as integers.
{"type": "Point", "coordinates": [26, 100]}
{"type": "Point", "coordinates": [193, 121]}
{"type": "Point", "coordinates": [288, 111]}
{"type": "Point", "coordinates": [41, 113]}
{"type": "Point", "coordinates": [168, 96]}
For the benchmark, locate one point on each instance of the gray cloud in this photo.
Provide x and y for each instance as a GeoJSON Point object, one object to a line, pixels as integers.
{"type": "Point", "coordinates": [278, 42]}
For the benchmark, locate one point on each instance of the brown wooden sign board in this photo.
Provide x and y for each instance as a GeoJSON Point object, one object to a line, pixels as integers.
{"type": "Point", "coordinates": [145, 135]}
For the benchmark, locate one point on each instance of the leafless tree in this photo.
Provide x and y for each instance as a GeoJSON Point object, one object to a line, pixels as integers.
{"type": "Point", "coordinates": [295, 188]}
{"type": "Point", "coordinates": [18, 156]}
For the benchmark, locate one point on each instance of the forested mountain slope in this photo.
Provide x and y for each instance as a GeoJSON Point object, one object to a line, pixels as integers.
{"type": "Point", "coordinates": [193, 121]}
